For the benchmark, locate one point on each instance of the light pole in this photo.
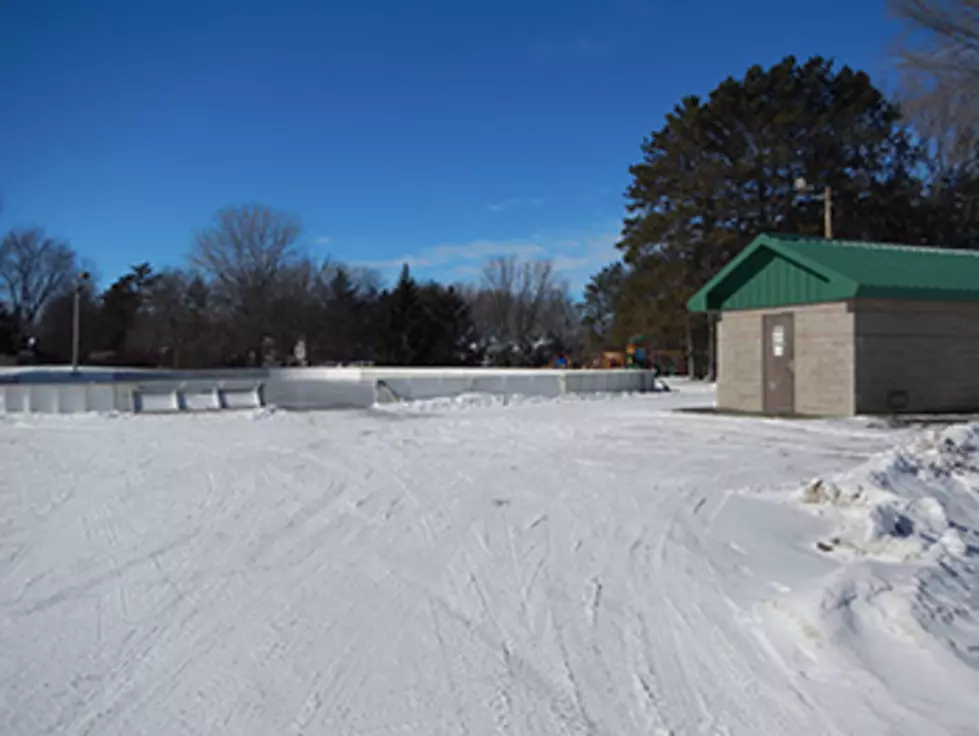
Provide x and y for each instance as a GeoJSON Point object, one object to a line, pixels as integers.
{"type": "Point", "coordinates": [76, 318]}
{"type": "Point", "coordinates": [803, 187]}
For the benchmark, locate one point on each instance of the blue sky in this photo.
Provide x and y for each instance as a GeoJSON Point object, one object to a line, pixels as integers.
{"type": "Point", "coordinates": [438, 132]}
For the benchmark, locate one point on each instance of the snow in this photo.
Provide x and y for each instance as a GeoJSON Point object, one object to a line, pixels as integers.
{"type": "Point", "coordinates": [600, 565]}
{"type": "Point", "coordinates": [900, 615]}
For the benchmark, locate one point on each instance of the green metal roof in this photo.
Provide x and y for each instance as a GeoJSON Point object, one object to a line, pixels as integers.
{"type": "Point", "coordinates": [778, 270]}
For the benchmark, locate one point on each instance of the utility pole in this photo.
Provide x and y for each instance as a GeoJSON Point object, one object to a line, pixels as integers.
{"type": "Point", "coordinates": [76, 319]}
{"type": "Point", "coordinates": [803, 187]}
{"type": "Point", "coordinates": [828, 212]}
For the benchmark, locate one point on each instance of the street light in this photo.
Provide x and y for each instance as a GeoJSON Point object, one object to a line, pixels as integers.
{"type": "Point", "coordinates": [80, 282]}
{"type": "Point", "coordinates": [804, 187]}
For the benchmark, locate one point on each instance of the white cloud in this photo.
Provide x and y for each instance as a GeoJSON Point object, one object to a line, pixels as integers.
{"type": "Point", "coordinates": [577, 256]}
{"type": "Point", "coordinates": [322, 240]}
{"type": "Point", "coordinates": [581, 258]}
{"type": "Point", "coordinates": [570, 263]}
{"type": "Point", "coordinates": [469, 271]}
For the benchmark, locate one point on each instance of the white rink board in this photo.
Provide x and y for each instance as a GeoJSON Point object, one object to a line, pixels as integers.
{"type": "Point", "coordinates": [48, 391]}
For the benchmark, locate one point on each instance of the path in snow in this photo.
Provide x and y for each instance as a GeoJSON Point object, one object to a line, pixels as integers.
{"type": "Point", "coordinates": [575, 567]}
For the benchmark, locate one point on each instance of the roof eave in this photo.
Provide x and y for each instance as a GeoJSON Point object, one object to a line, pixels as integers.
{"type": "Point", "coordinates": [916, 294]}
{"type": "Point", "coordinates": [700, 302]}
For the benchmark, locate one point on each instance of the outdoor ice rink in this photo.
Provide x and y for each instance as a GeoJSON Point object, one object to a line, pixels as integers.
{"type": "Point", "coordinates": [603, 566]}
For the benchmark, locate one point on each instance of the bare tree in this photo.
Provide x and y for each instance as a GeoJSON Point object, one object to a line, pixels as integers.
{"type": "Point", "coordinates": [941, 36]}
{"type": "Point", "coordinates": [520, 303]}
{"type": "Point", "coordinates": [247, 254]}
{"type": "Point", "coordinates": [246, 247]}
{"type": "Point", "coordinates": [33, 269]}
{"type": "Point", "coordinates": [947, 118]}
{"type": "Point", "coordinates": [938, 58]}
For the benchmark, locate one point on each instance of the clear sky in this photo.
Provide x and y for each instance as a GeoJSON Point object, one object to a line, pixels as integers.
{"type": "Point", "coordinates": [437, 131]}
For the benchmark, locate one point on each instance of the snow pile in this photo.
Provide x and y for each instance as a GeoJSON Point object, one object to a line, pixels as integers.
{"type": "Point", "coordinates": [916, 502]}
{"type": "Point", "coordinates": [458, 402]}
{"type": "Point", "coordinates": [900, 610]}
{"type": "Point", "coordinates": [477, 400]}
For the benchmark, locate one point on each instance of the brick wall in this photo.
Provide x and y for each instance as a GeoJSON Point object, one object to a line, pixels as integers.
{"type": "Point", "coordinates": [927, 351]}
{"type": "Point", "coordinates": [824, 359]}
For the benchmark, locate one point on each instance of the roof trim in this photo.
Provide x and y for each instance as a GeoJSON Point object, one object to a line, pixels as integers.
{"type": "Point", "coordinates": [700, 301]}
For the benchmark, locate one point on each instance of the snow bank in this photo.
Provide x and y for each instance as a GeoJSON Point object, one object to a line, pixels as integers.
{"type": "Point", "coordinates": [902, 606]}
{"type": "Point", "coordinates": [482, 400]}
{"type": "Point", "coordinates": [917, 502]}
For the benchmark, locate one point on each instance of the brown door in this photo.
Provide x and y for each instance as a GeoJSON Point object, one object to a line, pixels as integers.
{"type": "Point", "coordinates": [778, 363]}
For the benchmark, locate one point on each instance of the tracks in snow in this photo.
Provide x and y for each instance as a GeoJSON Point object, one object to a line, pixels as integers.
{"type": "Point", "coordinates": [545, 570]}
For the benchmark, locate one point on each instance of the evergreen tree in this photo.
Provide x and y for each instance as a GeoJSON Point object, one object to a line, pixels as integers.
{"type": "Point", "coordinates": [725, 169]}
{"type": "Point", "coordinates": [447, 331]}
{"type": "Point", "coordinates": [120, 306]}
{"type": "Point", "coordinates": [401, 322]}
{"type": "Point", "coordinates": [348, 319]}
{"type": "Point", "coordinates": [603, 294]}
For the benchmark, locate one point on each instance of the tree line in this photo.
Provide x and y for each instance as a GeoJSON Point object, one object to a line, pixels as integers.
{"type": "Point", "coordinates": [754, 155]}
{"type": "Point", "coordinates": [250, 295]}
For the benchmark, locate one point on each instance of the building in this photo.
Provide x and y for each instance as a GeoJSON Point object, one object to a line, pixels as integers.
{"type": "Point", "coordinates": [835, 328]}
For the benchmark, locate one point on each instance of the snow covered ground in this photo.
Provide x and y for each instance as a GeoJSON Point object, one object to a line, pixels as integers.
{"type": "Point", "coordinates": [600, 566]}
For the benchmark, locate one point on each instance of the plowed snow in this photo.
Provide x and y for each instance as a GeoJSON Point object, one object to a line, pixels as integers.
{"type": "Point", "coordinates": [575, 567]}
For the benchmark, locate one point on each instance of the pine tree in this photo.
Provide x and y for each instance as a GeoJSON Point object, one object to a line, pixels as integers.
{"type": "Point", "coordinates": [724, 169]}
{"type": "Point", "coordinates": [399, 338]}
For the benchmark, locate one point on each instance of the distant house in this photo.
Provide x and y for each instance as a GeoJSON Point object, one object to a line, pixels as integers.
{"type": "Point", "coordinates": [829, 327]}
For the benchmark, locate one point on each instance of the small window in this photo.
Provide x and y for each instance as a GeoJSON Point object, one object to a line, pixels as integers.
{"type": "Point", "coordinates": [778, 341]}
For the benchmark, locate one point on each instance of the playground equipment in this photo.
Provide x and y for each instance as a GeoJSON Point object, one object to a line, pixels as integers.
{"type": "Point", "coordinates": [609, 360]}
{"type": "Point", "coordinates": [640, 354]}
{"type": "Point", "coordinates": [637, 353]}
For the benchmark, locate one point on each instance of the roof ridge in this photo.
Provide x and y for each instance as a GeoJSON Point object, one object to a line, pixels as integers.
{"type": "Point", "coordinates": [932, 249]}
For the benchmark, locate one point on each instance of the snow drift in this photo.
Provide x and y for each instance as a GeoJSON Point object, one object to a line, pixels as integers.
{"type": "Point", "coordinates": [902, 607]}
{"type": "Point", "coordinates": [389, 401]}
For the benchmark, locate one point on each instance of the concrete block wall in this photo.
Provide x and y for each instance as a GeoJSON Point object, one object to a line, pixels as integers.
{"type": "Point", "coordinates": [824, 359]}
{"type": "Point", "coordinates": [926, 350]}
{"type": "Point", "coordinates": [739, 361]}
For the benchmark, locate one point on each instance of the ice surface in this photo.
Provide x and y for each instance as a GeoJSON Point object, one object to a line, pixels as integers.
{"type": "Point", "coordinates": [467, 567]}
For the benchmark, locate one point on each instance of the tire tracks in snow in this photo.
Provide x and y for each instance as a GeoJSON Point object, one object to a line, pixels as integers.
{"type": "Point", "coordinates": [576, 606]}
{"type": "Point", "coordinates": [149, 653]}
{"type": "Point", "coordinates": [666, 678]}
{"type": "Point", "coordinates": [330, 694]}
{"type": "Point", "coordinates": [750, 693]}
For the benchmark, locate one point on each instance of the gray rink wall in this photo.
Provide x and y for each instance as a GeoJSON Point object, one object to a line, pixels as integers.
{"type": "Point", "coordinates": [43, 390]}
